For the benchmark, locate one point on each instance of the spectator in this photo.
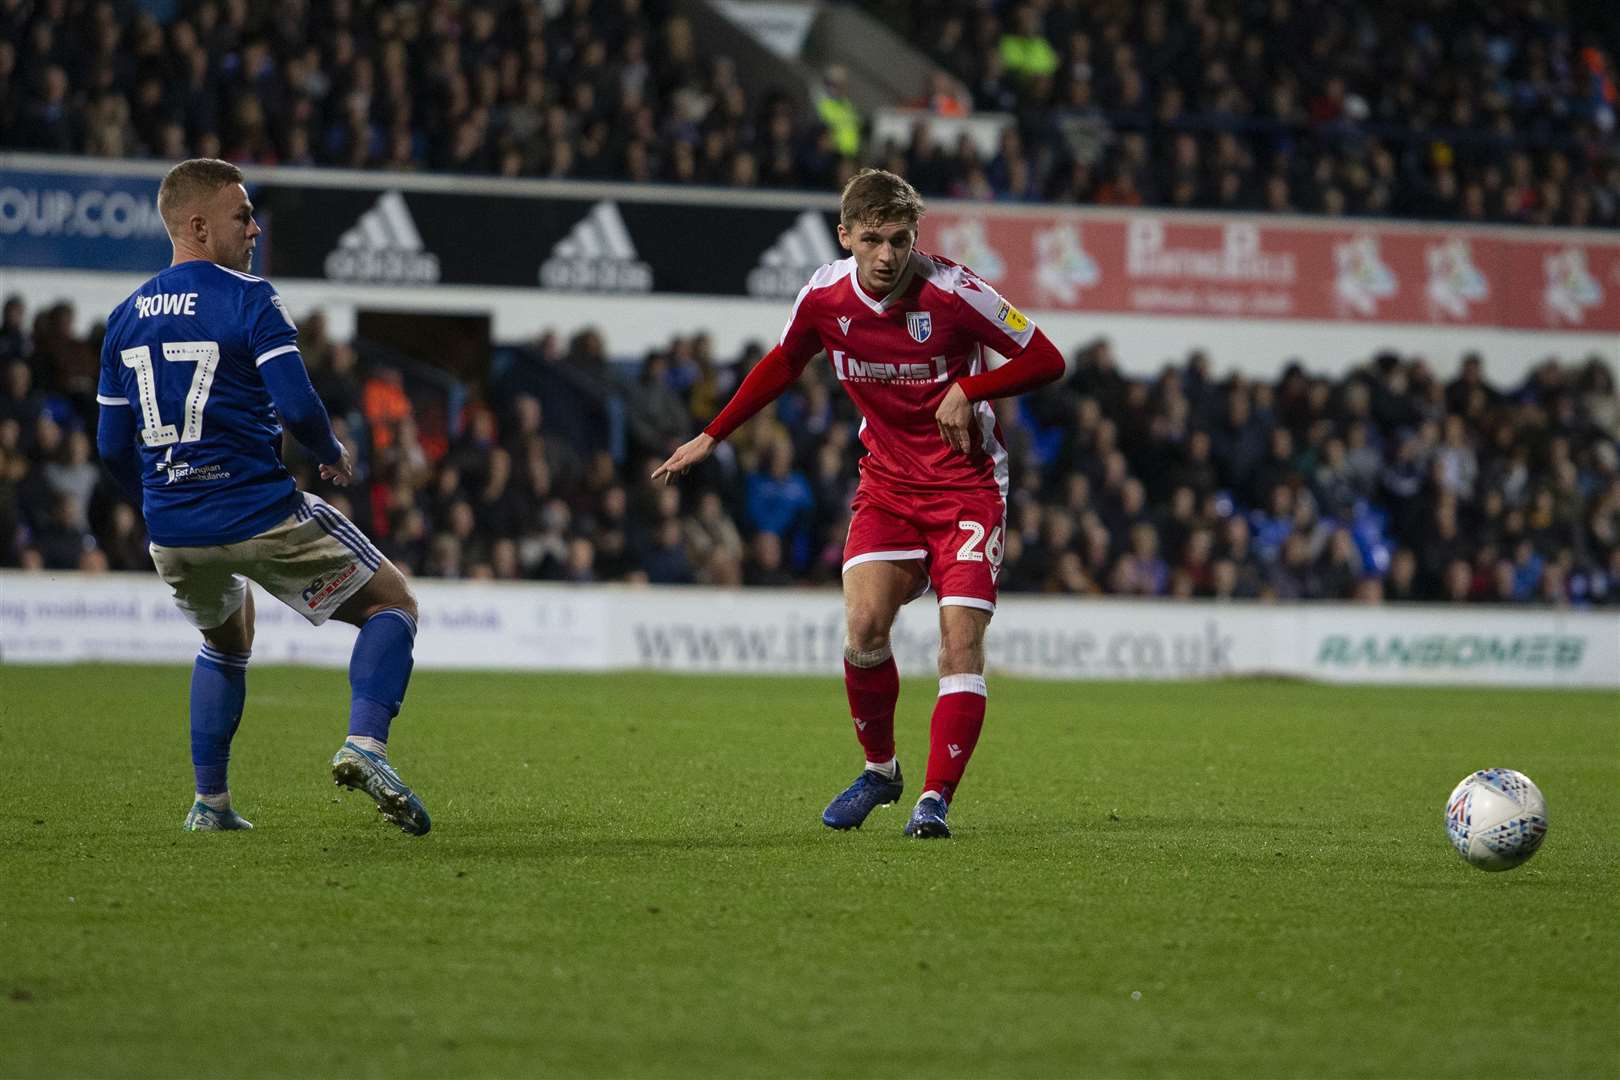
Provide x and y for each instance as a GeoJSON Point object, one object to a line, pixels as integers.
{"type": "Point", "coordinates": [779, 499]}
{"type": "Point", "coordinates": [764, 565]}
{"type": "Point", "coordinates": [1349, 502]}
{"type": "Point", "coordinates": [711, 538]}
{"type": "Point", "coordinates": [15, 342]}
{"type": "Point", "coordinates": [666, 560]}
{"type": "Point", "coordinates": [605, 93]}
{"type": "Point", "coordinates": [1141, 572]}
{"type": "Point", "coordinates": [73, 476]}
{"type": "Point", "coordinates": [21, 403]}
{"type": "Point", "coordinates": [838, 112]}
{"type": "Point", "coordinates": [61, 541]}
{"type": "Point", "coordinates": [1024, 50]}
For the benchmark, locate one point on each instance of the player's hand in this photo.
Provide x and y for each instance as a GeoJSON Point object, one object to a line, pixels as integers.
{"type": "Point", "coordinates": [689, 454]}
{"type": "Point", "coordinates": [342, 473]}
{"type": "Point", "coordinates": [955, 419]}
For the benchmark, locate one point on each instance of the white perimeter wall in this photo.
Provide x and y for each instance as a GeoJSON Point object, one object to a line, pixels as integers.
{"type": "Point", "coordinates": [634, 324]}
{"type": "Point", "coordinates": [58, 618]}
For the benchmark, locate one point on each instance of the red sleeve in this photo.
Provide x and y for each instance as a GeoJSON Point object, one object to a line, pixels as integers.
{"type": "Point", "coordinates": [773, 374]}
{"type": "Point", "coordinates": [1038, 364]}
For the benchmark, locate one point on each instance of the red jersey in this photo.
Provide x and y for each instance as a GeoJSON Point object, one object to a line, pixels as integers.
{"type": "Point", "coordinates": [897, 356]}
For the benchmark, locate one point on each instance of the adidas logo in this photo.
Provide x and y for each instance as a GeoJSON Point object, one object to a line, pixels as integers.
{"type": "Point", "coordinates": [597, 256]}
{"type": "Point", "coordinates": [797, 253]}
{"type": "Point", "coordinates": [384, 246]}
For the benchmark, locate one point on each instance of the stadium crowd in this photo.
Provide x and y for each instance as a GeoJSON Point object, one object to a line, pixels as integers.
{"type": "Point", "coordinates": [1445, 110]}
{"type": "Point", "coordinates": [1387, 484]}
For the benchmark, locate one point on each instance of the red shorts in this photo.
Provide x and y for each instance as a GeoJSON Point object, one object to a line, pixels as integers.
{"type": "Point", "coordinates": [957, 535]}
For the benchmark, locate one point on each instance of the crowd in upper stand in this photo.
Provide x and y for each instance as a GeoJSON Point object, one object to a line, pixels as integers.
{"type": "Point", "coordinates": [1448, 110]}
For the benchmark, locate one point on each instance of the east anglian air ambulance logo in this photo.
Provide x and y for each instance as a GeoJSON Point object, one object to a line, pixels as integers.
{"type": "Point", "coordinates": [921, 325]}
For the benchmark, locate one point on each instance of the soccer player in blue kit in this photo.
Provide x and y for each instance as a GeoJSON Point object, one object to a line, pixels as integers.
{"type": "Point", "coordinates": [199, 372]}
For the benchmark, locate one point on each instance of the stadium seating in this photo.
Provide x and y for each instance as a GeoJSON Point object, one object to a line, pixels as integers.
{"type": "Point", "coordinates": [1438, 111]}
{"type": "Point", "coordinates": [1389, 484]}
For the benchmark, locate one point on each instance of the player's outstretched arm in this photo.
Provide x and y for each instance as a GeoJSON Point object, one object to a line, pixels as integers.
{"type": "Point", "coordinates": [687, 455]}
{"type": "Point", "coordinates": [774, 373]}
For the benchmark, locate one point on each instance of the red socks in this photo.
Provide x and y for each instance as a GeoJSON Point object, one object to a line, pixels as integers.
{"type": "Point", "coordinates": [958, 716]}
{"type": "Point", "coordinates": [872, 694]}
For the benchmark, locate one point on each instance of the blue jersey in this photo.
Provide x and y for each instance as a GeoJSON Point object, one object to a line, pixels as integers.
{"type": "Point", "coordinates": [184, 353]}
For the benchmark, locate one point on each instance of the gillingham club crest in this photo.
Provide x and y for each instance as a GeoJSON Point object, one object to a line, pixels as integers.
{"type": "Point", "coordinates": [921, 325]}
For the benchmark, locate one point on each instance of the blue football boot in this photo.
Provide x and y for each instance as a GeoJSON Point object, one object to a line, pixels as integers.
{"type": "Point", "coordinates": [365, 771]}
{"type": "Point", "coordinates": [869, 791]}
{"type": "Point", "coordinates": [204, 818]}
{"type": "Point", "coordinates": [928, 819]}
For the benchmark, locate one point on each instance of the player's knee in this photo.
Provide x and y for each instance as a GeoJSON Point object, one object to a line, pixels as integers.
{"type": "Point", "coordinates": [234, 635]}
{"type": "Point", "coordinates": [406, 602]}
{"type": "Point", "coordinates": [389, 592]}
{"type": "Point", "coordinates": [867, 633]}
{"type": "Point", "coordinates": [231, 638]}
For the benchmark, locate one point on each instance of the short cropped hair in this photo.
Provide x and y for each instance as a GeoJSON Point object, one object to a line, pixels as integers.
{"type": "Point", "coordinates": [191, 180]}
{"type": "Point", "coordinates": [876, 196]}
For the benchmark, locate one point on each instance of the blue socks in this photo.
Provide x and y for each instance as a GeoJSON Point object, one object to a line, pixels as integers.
{"type": "Point", "coordinates": [218, 691]}
{"type": "Point", "coordinates": [379, 671]}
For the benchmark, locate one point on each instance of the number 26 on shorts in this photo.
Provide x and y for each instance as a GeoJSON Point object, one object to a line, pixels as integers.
{"type": "Point", "coordinates": [970, 551]}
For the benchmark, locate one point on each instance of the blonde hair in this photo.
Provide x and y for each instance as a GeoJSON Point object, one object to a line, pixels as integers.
{"type": "Point", "coordinates": [190, 181]}
{"type": "Point", "coordinates": [876, 196]}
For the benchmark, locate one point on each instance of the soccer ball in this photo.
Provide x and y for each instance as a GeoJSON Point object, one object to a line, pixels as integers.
{"type": "Point", "coordinates": [1496, 818]}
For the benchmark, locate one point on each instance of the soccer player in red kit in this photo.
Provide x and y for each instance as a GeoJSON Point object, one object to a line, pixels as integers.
{"type": "Point", "coordinates": [906, 332]}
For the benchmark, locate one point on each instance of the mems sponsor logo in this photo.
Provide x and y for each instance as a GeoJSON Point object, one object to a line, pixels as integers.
{"type": "Point", "coordinates": [798, 253]}
{"type": "Point", "coordinates": [597, 255]}
{"type": "Point", "coordinates": [384, 247]}
{"type": "Point", "coordinates": [1530, 652]}
{"type": "Point", "coordinates": [850, 369]}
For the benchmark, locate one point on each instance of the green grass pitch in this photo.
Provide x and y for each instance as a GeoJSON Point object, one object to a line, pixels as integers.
{"type": "Point", "coordinates": [627, 876]}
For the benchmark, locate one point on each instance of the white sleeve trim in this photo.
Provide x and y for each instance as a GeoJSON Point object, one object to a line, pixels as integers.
{"type": "Point", "coordinates": [273, 353]}
{"type": "Point", "coordinates": [103, 399]}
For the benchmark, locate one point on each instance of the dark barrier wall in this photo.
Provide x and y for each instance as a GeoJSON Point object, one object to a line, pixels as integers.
{"type": "Point", "coordinates": [583, 245]}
